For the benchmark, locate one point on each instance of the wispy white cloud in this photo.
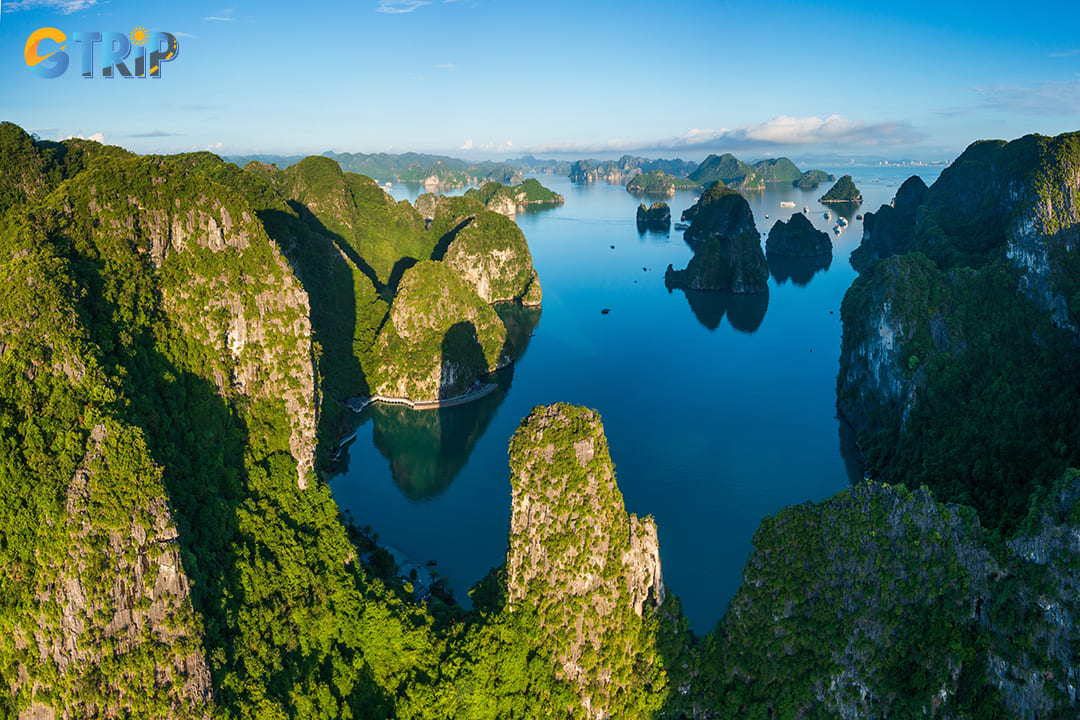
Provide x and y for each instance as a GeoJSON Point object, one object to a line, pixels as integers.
{"type": "Point", "coordinates": [779, 131]}
{"type": "Point", "coordinates": [446, 66]}
{"type": "Point", "coordinates": [393, 7]}
{"type": "Point", "coordinates": [1048, 98]}
{"type": "Point", "coordinates": [154, 134]}
{"type": "Point", "coordinates": [225, 16]}
{"type": "Point", "coordinates": [65, 7]}
{"type": "Point", "coordinates": [488, 146]}
{"type": "Point", "coordinates": [96, 137]}
{"type": "Point", "coordinates": [1065, 54]}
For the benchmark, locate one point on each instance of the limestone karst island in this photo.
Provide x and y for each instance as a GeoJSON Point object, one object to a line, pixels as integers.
{"type": "Point", "coordinates": [417, 360]}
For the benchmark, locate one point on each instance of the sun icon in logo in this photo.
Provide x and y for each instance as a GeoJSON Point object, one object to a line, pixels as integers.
{"type": "Point", "coordinates": [139, 36]}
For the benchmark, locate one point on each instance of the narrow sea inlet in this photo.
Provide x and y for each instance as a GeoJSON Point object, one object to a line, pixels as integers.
{"type": "Point", "coordinates": [719, 409]}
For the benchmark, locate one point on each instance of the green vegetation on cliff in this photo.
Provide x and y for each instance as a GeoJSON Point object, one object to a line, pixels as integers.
{"type": "Point", "coordinates": [440, 338]}
{"type": "Point", "coordinates": [733, 172]}
{"type": "Point", "coordinates": [844, 191]}
{"type": "Point", "coordinates": [891, 230]}
{"type": "Point", "coordinates": [812, 178]}
{"type": "Point", "coordinates": [150, 486]}
{"type": "Point", "coordinates": [659, 182]}
{"type": "Point", "coordinates": [728, 170]}
{"type": "Point", "coordinates": [777, 170]}
{"type": "Point", "coordinates": [883, 602]}
{"type": "Point", "coordinates": [495, 195]}
{"type": "Point", "coordinates": [587, 572]}
{"type": "Point", "coordinates": [161, 556]}
{"type": "Point", "coordinates": [377, 233]}
{"type": "Point", "coordinates": [726, 243]}
{"type": "Point", "coordinates": [957, 361]}
{"type": "Point", "coordinates": [655, 217]}
{"type": "Point", "coordinates": [797, 238]}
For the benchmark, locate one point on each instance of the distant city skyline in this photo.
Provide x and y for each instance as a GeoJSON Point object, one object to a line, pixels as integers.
{"type": "Point", "coordinates": [495, 79]}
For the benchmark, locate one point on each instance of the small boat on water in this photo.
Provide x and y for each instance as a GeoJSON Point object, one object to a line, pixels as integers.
{"type": "Point", "coordinates": [827, 215]}
{"type": "Point", "coordinates": [842, 221]}
{"type": "Point", "coordinates": [858, 217]}
{"type": "Point", "coordinates": [836, 229]}
{"type": "Point", "coordinates": [806, 210]}
{"type": "Point", "coordinates": [787, 203]}
{"type": "Point", "coordinates": [681, 226]}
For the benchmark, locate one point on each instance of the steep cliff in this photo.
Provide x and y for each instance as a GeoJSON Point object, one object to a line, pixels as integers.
{"type": "Point", "coordinates": [797, 238]}
{"type": "Point", "coordinates": [490, 253]}
{"type": "Point", "coordinates": [221, 279]}
{"type": "Point", "coordinates": [584, 172]}
{"type": "Point", "coordinates": [655, 217]}
{"type": "Point", "coordinates": [726, 243]}
{"type": "Point", "coordinates": [957, 354]}
{"type": "Point", "coordinates": [440, 338]}
{"type": "Point", "coordinates": [508, 200]}
{"type": "Point", "coordinates": [728, 170]}
{"type": "Point", "coordinates": [883, 601]}
{"type": "Point", "coordinates": [659, 183]}
{"type": "Point", "coordinates": [844, 191]}
{"type": "Point", "coordinates": [1023, 196]}
{"type": "Point", "coordinates": [891, 230]}
{"type": "Point", "coordinates": [377, 232]}
{"type": "Point", "coordinates": [158, 373]}
{"type": "Point", "coordinates": [811, 179]}
{"type": "Point", "coordinates": [589, 571]}
{"type": "Point", "coordinates": [115, 633]}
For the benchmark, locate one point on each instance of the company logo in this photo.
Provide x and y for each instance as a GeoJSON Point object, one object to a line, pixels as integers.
{"type": "Point", "coordinates": [138, 54]}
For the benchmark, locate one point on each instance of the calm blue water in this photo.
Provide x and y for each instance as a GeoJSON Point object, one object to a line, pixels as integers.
{"type": "Point", "coordinates": [719, 409]}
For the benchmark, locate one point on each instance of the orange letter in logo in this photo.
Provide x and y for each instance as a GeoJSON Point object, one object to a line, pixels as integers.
{"type": "Point", "coordinates": [60, 59]}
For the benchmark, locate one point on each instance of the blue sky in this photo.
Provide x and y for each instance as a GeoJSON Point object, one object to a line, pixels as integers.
{"type": "Point", "coordinates": [500, 78]}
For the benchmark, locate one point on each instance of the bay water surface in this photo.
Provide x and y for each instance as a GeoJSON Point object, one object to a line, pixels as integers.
{"type": "Point", "coordinates": [719, 409]}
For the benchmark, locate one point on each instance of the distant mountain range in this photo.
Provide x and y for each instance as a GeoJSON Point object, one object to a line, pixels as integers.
{"type": "Point", "coordinates": [444, 172]}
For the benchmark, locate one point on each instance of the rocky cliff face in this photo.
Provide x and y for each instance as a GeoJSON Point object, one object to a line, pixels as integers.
{"type": "Point", "coordinates": [880, 600]}
{"type": "Point", "coordinates": [655, 217]}
{"type": "Point", "coordinates": [719, 212]}
{"type": "Point", "coordinates": [440, 338]}
{"type": "Point", "coordinates": [844, 191]}
{"type": "Point", "coordinates": [223, 281]}
{"type": "Point", "coordinates": [891, 230]}
{"type": "Point", "coordinates": [893, 319]}
{"type": "Point", "coordinates": [583, 172]}
{"type": "Point", "coordinates": [509, 199]}
{"type": "Point", "coordinates": [120, 585]}
{"type": "Point", "coordinates": [797, 238]}
{"type": "Point", "coordinates": [1024, 196]}
{"type": "Point", "coordinates": [490, 253]}
{"type": "Point", "coordinates": [590, 571]}
{"type": "Point", "coordinates": [727, 246]}
{"type": "Point", "coordinates": [728, 170]}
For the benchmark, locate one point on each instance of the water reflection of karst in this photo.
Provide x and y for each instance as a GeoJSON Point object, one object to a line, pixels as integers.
{"type": "Point", "coordinates": [428, 448]}
{"type": "Point", "coordinates": [846, 210]}
{"type": "Point", "coordinates": [745, 312]}
{"type": "Point", "coordinates": [799, 270]}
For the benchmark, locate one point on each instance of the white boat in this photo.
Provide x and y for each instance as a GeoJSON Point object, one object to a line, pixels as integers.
{"type": "Point", "coordinates": [786, 203]}
{"type": "Point", "coordinates": [842, 221]}
{"type": "Point", "coordinates": [827, 215]}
